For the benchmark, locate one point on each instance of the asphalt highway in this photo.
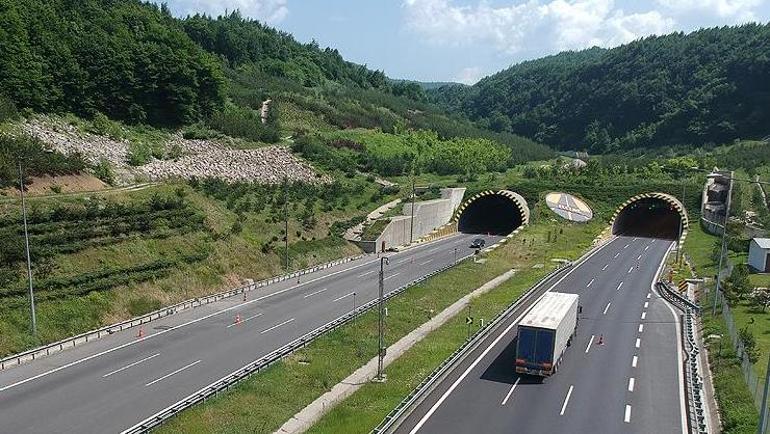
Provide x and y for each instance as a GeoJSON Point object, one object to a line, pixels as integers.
{"type": "Point", "coordinates": [622, 373]}
{"type": "Point", "coordinates": [113, 383]}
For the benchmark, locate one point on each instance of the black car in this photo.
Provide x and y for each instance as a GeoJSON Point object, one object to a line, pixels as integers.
{"type": "Point", "coordinates": [478, 243]}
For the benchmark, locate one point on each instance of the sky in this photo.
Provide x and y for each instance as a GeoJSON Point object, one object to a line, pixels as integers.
{"type": "Point", "coordinates": [466, 40]}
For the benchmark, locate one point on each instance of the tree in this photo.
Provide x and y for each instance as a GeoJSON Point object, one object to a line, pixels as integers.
{"type": "Point", "coordinates": [760, 298]}
{"type": "Point", "coordinates": [737, 284]}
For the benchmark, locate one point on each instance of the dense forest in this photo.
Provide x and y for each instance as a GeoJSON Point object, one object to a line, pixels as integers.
{"type": "Point", "coordinates": [710, 86]}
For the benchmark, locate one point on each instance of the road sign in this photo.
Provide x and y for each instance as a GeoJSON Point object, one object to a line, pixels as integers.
{"type": "Point", "coordinates": [468, 320]}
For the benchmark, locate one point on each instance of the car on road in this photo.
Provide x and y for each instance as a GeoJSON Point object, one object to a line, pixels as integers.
{"type": "Point", "coordinates": [478, 243]}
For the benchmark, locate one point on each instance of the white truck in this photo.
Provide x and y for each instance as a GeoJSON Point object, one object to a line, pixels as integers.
{"type": "Point", "coordinates": [545, 332]}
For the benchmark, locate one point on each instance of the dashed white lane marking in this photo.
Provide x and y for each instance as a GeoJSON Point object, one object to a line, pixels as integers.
{"type": "Point", "coordinates": [634, 361]}
{"type": "Point", "coordinates": [606, 308]}
{"type": "Point", "coordinates": [566, 401]}
{"type": "Point", "coordinates": [631, 384]}
{"type": "Point", "coordinates": [315, 293]}
{"type": "Point", "coordinates": [591, 341]}
{"type": "Point", "coordinates": [426, 262]}
{"type": "Point", "coordinates": [172, 373]}
{"type": "Point", "coordinates": [648, 295]}
{"type": "Point", "coordinates": [245, 320]}
{"type": "Point", "coordinates": [641, 328]}
{"type": "Point", "coordinates": [644, 315]}
{"type": "Point", "coordinates": [646, 304]}
{"type": "Point", "coordinates": [590, 283]}
{"type": "Point", "coordinates": [639, 257]}
{"type": "Point", "coordinates": [344, 296]}
{"type": "Point", "coordinates": [646, 248]}
{"type": "Point", "coordinates": [627, 416]}
{"type": "Point", "coordinates": [630, 270]}
{"type": "Point", "coordinates": [510, 392]}
{"type": "Point", "coordinates": [616, 255]}
{"type": "Point", "coordinates": [619, 285]}
{"type": "Point", "coordinates": [391, 276]}
{"type": "Point", "coordinates": [367, 273]}
{"type": "Point", "coordinates": [131, 365]}
{"type": "Point", "coordinates": [635, 238]}
{"type": "Point", "coordinates": [638, 342]}
{"type": "Point", "coordinates": [626, 246]}
{"type": "Point", "coordinates": [605, 267]}
{"type": "Point", "coordinates": [276, 326]}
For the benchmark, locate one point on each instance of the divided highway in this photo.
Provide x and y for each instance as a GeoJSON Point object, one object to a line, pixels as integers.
{"type": "Point", "coordinates": [622, 373]}
{"type": "Point", "coordinates": [111, 384]}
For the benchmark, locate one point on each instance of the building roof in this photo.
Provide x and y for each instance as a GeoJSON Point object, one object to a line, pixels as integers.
{"type": "Point", "coordinates": [763, 243]}
{"type": "Point", "coordinates": [550, 310]}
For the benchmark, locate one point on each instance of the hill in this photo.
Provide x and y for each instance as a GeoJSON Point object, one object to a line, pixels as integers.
{"type": "Point", "coordinates": [708, 86]}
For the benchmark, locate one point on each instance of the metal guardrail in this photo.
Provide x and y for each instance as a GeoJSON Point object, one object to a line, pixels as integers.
{"type": "Point", "coordinates": [450, 362]}
{"type": "Point", "coordinates": [695, 408]}
{"type": "Point", "coordinates": [73, 341]}
{"type": "Point", "coordinates": [232, 379]}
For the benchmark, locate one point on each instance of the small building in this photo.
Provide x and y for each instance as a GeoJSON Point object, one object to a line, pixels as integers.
{"type": "Point", "coordinates": [759, 255]}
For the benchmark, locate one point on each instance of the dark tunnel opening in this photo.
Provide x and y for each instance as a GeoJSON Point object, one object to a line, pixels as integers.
{"type": "Point", "coordinates": [493, 214]}
{"type": "Point", "coordinates": [648, 218]}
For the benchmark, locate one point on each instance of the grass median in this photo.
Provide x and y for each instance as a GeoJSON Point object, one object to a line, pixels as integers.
{"type": "Point", "coordinates": [264, 402]}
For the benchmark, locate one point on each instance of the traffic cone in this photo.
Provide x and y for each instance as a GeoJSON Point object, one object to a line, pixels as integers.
{"type": "Point", "coordinates": [141, 332]}
{"type": "Point", "coordinates": [601, 340]}
{"type": "Point", "coordinates": [237, 318]}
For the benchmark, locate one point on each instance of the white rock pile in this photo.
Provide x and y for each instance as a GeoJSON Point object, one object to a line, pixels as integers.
{"type": "Point", "coordinates": [67, 139]}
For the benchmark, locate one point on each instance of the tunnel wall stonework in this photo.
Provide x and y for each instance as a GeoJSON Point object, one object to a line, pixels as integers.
{"type": "Point", "coordinates": [673, 201]}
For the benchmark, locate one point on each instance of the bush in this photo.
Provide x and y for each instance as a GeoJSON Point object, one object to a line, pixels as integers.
{"type": "Point", "coordinates": [103, 171]}
{"type": "Point", "coordinates": [7, 109]}
{"type": "Point", "coordinates": [36, 160]}
{"type": "Point", "coordinates": [139, 153]}
{"type": "Point", "coordinates": [103, 126]}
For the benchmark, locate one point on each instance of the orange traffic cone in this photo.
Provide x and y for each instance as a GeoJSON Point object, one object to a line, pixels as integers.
{"type": "Point", "coordinates": [601, 340]}
{"type": "Point", "coordinates": [237, 318]}
{"type": "Point", "coordinates": [141, 332]}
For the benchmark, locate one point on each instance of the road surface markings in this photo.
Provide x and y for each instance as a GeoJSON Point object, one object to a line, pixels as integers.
{"type": "Point", "coordinates": [510, 392]}
{"type": "Point", "coordinates": [638, 342]}
{"type": "Point", "coordinates": [641, 328]}
{"type": "Point", "coordinates": [245, 320]}
{"type": "Point", "coordinates": [606, 308]}
{"type": "Point", "coordinates": [367, 273]}
{"type": "Point", "coordinates": [590, 283]}
{"type": "Point", "coordinates": [626, 246]}
{"type": "Point", "coordinates": [591, 341]}
{"type": "Point", "coordinates": [639, 258]}
{"type": "Point", "coordinates": [631, 384]}
{"type": "Point", "coordinates": [130, 365]}
{"type": "Point", "coordinates": [566, 401]}
{"type": "Point", "coordinates": [634, 361]}
{"type": "Point", "coordinates": [344, 296]}
{"type": "Point", "coordinates": [619, 285]}
{"type": "Point", "coordinates": [635, 238]}
{"type": "Point", "coordinates": [426, 262]}
{"type": "Point", "coordinates": [646, 248]}
{"type": "Point", "coordinates": [605, 267]}
{"type": "Point", "coordinates": [644, 315]}
{"type": "Point", "coordinates": [276, 326]}
{"type": "Point", "coordinates": [172, 373]}
{"type": "Point", "coordinates": [616, 255]}
{"type": "Point", "coordinates": [392, 275]}
{"type": "Point", "coordinates": [315, 293]}
{"type": "Point", "coordinates": [627, 416]}
{"type": "Point", "coordinates": [646, 304]}
{"type": "Point", "coordinates": [630, 270]}
{"type": "Point", "coordinates": [648, 295]}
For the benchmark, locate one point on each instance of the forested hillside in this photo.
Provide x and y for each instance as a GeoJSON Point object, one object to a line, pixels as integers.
{"type": "Point", "coordinates": [710, 86]}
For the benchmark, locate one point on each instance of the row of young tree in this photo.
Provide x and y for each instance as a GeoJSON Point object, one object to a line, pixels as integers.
{"type": "Point", "coordinates": [678, 89]}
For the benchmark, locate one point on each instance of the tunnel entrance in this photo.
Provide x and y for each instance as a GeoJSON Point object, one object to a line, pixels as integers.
{"type": "Point", "coordinates": [651, 216]}
{"type": "Point", "coordinates": [495, 213]}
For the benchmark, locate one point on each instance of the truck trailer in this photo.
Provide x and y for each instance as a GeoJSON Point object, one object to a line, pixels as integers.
{"type": "Point", "coordinates": [545, 332]}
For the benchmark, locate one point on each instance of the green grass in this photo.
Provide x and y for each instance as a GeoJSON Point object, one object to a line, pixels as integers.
{"type": "Point", "coordinates": [374, 230]}
{"type": "Point", "coordinates": [264, 402]}
{"type": "Point", "coordinates": [759, 280]}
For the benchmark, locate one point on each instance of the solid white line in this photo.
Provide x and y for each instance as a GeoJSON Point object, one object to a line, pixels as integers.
{"type": "Point", "coordinates": [367, 273]}
{"type": "Point", "coordinates": [638, 342]}
{"type": "Point", "coordinates": [627, 416]}
{"type": "Point", "coordinates": [641, 328]}
{"type": "Point", "coordinates": [591, 341]}
{"type": "Point", "coordinates": [315, 293]}
{"type": "Point", "coordinates": [426, 262]}
{"type": "Point", "coordinates": [344, 296]}
{"type": "Point", "coordinates": [646, 304]}
{"type": "Point", "coordinates": [644, 315]}
{"type": "Point", "coordinates": [131, 365]}
{"type": "Point", "coordinates": [631, 384]}
{"type": "Point", "coordinates": [245, 320]}
{"type": "Point", "coordinates": [619, 285]}
{"type": "Point", "coordinates": [392, 275]}
{"type": "Point", "coordinates": [630, 270]}
{"type": "Point", "coordinates": [172, 373]}
{"type": "Point", "coordinates": [605, 267]}
{"type": "Point", "coordinates": [510, 392]}
{"type": "Point", "coordinates": [626, 246]}
{"type": "Point", "coordinates": [590, 283]}
{"type": "Point", "coordinates": [607, 308]}
{"type": "Point", "coordinates": [276, 326]}
{"type": "Point", "coordinates": [566, 400]}
{"type": "Point", "coordinates": [634, 361]}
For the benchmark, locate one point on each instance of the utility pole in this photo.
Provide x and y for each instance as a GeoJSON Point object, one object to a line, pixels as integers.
{"type": "Point", "coordinates": [381, 326]}
{"type": "Point", "coordinates": [455, 255]}
{"type": "Point", "coordinates": [763, 411]}
{"type": "Point", "coordinates": [411, 223]}
{"type": "Point", "coordinates": [286, 217]}
{"type": "Point", "coordinates": [681, 228]}
{"type": "Point", "coordinates": [29, 260]}
{"type": "Point", "coordinates": [722, 248]}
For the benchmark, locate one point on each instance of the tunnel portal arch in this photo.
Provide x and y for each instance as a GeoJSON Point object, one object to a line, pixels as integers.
{"type": "Point", "coordinates": [494, 212]}
{"type": "Point", "coordinates": [651, 215]}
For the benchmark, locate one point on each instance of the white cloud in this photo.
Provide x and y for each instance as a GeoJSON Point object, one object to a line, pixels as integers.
{"type": "Point", "coordinates": [736, 10]}
{"type": "Point", "coordinates": [469, 75]}
{"type": "Point", "coordinates": [555, 24]}
{"type": "Point", "coordinates": [271, 11]}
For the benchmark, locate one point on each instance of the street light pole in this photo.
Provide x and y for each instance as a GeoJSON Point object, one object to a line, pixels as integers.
{"type": "Point", "coordinates": [411, 223]}
{"type": "Point", "coordinates": [381, 325]}
{"type": "Point", "coordinates": [286, 217]}
{"type": "Point", "coordinates": [29, 260]}
{"type": "Point", "coordinates": [723, 245]}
